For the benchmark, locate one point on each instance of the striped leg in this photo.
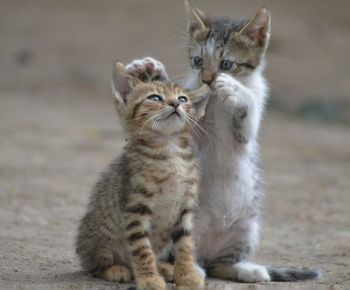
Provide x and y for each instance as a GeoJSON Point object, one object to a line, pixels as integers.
{"type": "Point", "coordinates": [185, 274]}
{"type": "Point", "coordinates": [143, 259]}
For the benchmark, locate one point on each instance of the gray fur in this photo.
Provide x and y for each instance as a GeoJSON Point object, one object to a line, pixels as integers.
{"type": "Point", "coordinates": [221, 28]}
{"type": "Point", "coordinates": [292, 274]}
{"type": "Point", "coordinates": [230, 195]}
{"type": "Point", "coordinates": [103, 219]}
{"type": "Point", "coordinates": [237, 121]}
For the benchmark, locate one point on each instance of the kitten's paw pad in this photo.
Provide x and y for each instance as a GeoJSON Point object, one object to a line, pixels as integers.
{"type": "Point", "coordinates": [166, 270]}
{"type": "Point", "coordinates": [252, 273]}
{"type": "Point", "coordinates": [151, 283]}
{"type": "Point", "coordinates": [116, 273]}
{"type": "Point", "coordinates": [147, 69]}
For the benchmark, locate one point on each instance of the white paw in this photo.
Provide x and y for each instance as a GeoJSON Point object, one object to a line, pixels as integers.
{"type": "Point", "coordinates": [147, 69]}
{"type": "Point", "coordinates": [251, 273]}
{"type": "Point", "coordinates": [200, 271]}
{"type": "Point", "coordinates": [226, 87]}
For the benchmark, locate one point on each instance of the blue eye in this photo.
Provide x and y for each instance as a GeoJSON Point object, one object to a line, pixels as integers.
{"type": "Point", "coordinates": [226, 64]}
{"type": "Point", "coordinates": [155, 98]}
{"type": "Point", "coordinates": [182, 99]}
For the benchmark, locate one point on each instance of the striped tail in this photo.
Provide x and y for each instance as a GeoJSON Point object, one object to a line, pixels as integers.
{"type": "Point", "coordinates": [292, 274]}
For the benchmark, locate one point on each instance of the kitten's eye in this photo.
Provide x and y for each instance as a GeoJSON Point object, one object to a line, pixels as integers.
{"type": "Point", "coordinates": [197, 61]}
{"type": "Point", "coordinates": [182, 99]}
{"type": "Point", "coordinates": [155, 98]}
{"type": "Point", "coordinates": [226, 64]}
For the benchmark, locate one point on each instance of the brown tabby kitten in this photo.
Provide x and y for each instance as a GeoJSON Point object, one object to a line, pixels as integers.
{"type": "Point", "coordinates": [142, 206]}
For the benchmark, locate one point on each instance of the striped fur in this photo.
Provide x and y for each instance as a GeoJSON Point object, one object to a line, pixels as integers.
{"type": "Point", "coordinates": [142, 204]}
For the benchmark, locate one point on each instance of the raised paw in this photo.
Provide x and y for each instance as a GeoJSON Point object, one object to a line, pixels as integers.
{"type": "Point", "coordinates": [190, 281]}
{"type": "Point", "coordinates": [116, 273]}
{"type": "Point", "coordinates": [148, 69]}
{"type": "Point", "coordinates": [166, 270]}
{"type": "Point", "coordinates": [226, 88]}
{"type": "Point", "coordinates": [151, 283]}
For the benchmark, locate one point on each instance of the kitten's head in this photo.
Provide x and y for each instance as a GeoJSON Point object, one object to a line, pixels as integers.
{"type": "Point", "coordinates": [150, 108]}
{"type": "Point", "coordinates": [225, 45]}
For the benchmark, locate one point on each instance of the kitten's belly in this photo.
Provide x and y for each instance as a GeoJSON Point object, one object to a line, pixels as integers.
{"type": "Point", "coordinates": [211, 239]}
{"type": "Point", "coordinates": [226, 207]}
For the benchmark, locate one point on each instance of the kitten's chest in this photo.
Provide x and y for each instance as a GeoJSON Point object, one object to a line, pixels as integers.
{"type": "Point", "coordinates": [170, 196]}
{"type": "Point", "coordinates": [168, 204]}
{"type": "Point", "coordinates": [170, 193]}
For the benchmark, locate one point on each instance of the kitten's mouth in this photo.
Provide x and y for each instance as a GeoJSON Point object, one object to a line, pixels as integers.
{"type": "Point", "coordinates": [174, 113]}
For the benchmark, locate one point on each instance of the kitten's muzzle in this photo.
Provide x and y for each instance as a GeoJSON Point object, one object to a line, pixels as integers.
{"type": "Point", "coordinates": [208, 77]}
{"type": "Point", "coordinates": [175, 105]}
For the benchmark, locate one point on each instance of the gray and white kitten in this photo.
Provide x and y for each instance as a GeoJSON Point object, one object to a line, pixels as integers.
{"type": "Point", "coordinates": [229, 56]}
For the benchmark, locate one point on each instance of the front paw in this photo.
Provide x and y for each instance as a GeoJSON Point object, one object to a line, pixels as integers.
{"type": "Point", "coordinates": [189, 281]}
{"type": "Point", "coordinates": [148, 69]}
{"type": "Point", "coordinates": [233, 95]}
{"type": "Point", "coordinates": [154, 282]}
{"type": "Point", "coordinates": [227, 88]}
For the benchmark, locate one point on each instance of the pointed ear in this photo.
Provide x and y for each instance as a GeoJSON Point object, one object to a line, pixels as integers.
{"type": "Point", "coordinates": [199, 99]}
{"type": "Point", "coordinates": [197, 21]}
{"type": "Point", "coordinates": [122, 84]}
{"type": "Point", "coordinates": [258, 28]}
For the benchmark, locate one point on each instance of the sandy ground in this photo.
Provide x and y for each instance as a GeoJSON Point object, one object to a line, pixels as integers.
{"type": "Point", "coordinates": [58, 130]}
{"type": "Point", "coordinates": [52, 153]}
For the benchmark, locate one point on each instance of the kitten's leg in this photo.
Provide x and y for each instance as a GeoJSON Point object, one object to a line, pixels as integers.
{"type": "Point", "coordinates": [116, 273]}
{"type": "Point", "coordinates": [231, 263]}
{"type": "Point", "coordinates": [166, 270]}
{"type": "Point", "coordinates": [234, 267]}
{"type": "Point", "coordinates": [148, 69]}
{"type": "Point", "coordinates": [240, 101]}
{"type": "Point", "coordinates": [185, 272]}
{"type": "Point", "coordinates": [143, 259]}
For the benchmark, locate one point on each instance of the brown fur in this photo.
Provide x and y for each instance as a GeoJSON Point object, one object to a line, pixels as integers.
{"type": "Point", "coordinates": [143, 204]}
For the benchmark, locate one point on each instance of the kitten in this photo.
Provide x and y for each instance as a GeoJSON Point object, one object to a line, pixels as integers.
{"type": "Point", "coordinates": [142, 205]}
{"type": "Point", "coordinates": [229, 56]}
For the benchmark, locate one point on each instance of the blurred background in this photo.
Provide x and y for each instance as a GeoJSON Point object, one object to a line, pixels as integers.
{"type": "Point", "coordinates": [72, 44]}
{"type": "Point", "coordinates": [58, 128]}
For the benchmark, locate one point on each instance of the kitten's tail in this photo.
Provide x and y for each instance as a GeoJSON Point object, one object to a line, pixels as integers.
{"type": "Point", "coordinates": [292, 274]}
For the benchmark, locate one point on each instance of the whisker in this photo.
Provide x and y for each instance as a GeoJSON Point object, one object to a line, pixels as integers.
{"type": "Point", "coordinates": [147, 116]}
{"type": "Point", "coordinates": [187, 37]}
{"type": "Point", "coordinates": [150, 119]}
{"type": "Point", "coordinates": [199, 131]}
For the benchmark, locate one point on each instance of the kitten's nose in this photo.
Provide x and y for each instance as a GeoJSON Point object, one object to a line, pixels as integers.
{"type": "Point", "coordinates": [208, 82]}
{"type": "Point", "coordinates": [208, 77]}
{"type": "Point", "coordinates": [174, 104]}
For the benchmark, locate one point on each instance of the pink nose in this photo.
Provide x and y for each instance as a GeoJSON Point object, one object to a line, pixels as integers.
{"type": "Point", "coordinates": [174, 104]}
{"type": "Point", "coordinates": [208, 77]}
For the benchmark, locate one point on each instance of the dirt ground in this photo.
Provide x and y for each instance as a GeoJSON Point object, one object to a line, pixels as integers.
{"type": "Point", "coordinates": [58, 130]}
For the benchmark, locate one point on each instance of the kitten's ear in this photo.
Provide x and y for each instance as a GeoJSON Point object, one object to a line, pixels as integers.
{"type": "Point", "coordinates": [122, 84]}
{"type": "Point", "coordinates": [258, 28]}
{"type": "Point", "coordinates": [197, 21]}
{"type": "Point", "coordinates": [199, 99]}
